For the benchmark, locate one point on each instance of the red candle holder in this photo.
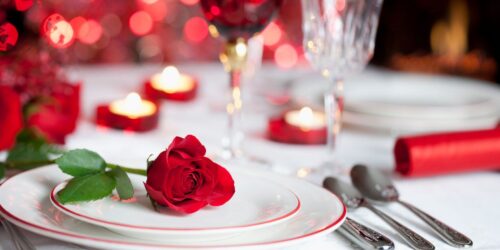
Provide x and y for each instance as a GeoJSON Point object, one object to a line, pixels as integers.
{"type": "Point", "coordinates": [107, 118]}
{"type": "Point", "coordinates": [158, 94]}
{"type": "Point", "coordinates": [278, 129]}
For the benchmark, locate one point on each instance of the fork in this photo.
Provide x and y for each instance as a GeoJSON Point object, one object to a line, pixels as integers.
{"type": "Point", "coordinates": [16, 236]}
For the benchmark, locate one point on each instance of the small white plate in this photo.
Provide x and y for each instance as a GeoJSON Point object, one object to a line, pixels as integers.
{"type": "Point", "coordinates": [24, 201]}
{"type": "Point", "coordinates": [409, 102]}
{"type": "Point", "coordinates": [257, 203]}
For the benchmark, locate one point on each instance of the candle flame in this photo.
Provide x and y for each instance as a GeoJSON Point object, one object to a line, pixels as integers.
{"type": "Point", "coordinates": [306, 114]}
{"type": "Point", "coordinates": [133, 106]}
{"type": "Point", "coordinates": [133, 102]}
{"type": "Point", "coordinates": [170, 74]}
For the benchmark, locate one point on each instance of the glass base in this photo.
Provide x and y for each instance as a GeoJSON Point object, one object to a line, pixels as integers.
{"type": "Point", "coordinates": [325, 169]}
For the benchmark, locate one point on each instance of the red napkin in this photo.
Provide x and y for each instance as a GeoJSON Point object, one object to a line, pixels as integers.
{"type": "Point", "coordinates": [448, 152]}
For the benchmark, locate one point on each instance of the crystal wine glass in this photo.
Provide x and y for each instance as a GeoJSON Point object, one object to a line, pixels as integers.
{"type": "Point", "coordinates": [339, 38]}
{"type": "Point", "coordinates": [237, 21]}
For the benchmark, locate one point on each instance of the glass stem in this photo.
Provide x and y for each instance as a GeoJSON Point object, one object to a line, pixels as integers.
{"type": "Point", "coordinates": [334, 105]}
{"type": "Point", "coordinates": [233, 108]}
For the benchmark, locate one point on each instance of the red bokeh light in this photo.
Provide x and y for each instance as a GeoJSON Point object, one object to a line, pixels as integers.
{"type": "Point", "coordinates": [196, 29]}
{"type": "Point", "coordinates": [90, 32]}
{"type": "Point", "coordinates": [61, 35]}
{"type": "Point", "coordinates": [77, 22]}
{"type": "Point", "coordinates": [8, 36]}
{"type": "Point", "coordinates": [157, 10]}
{"type": "Point", "coordinates": [141, 23]}
{"type": "Point", "coordinates": [23, 5]}
{"type": "Point", "coordinates": [285, 56]}
{"type": "Point", "coordinates": [49, 22]}
{"type": "Point", "coordinates": [272, 34]}
{"type": "Point", "coordinates": [340, 5]}
{"type": "Point", "coordinates": [189, 2]}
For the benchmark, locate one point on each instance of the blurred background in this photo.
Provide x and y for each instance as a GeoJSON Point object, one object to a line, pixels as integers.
{"type": "Point", "coordinates": [457, 37]}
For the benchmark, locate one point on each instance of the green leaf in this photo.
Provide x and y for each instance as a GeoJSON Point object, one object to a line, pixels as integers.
{"type": "Point", "coordinates": [2, 171]}
{"type": "Point", "coordinates": [87, 188]}
{"type": "Point", "coordinates": [123, 185]}
{"type": "Point", "coordinates": [81, 162]}
{"type": "Point", "coordinates": [29, 151]}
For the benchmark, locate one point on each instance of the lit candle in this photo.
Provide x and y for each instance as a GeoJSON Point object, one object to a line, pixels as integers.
{"type": "Point", "coordinates": [171, 81]}
{"type": "Point", "coordinates": [171, 84]}
{"type": "Point", "coordinates": [303, 126]}
{"type": "Point", "coordinates": [306, 119]}
{"type": "Point", "coordinates": [133, 106]}
{"type": "Point", "coordinates": [131, 114]}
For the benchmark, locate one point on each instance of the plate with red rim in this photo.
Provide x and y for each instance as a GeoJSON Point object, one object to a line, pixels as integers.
{"type": "Point", "coordinates": [25, 201]}
{"type": "Point", "coordinates": [257, 203]}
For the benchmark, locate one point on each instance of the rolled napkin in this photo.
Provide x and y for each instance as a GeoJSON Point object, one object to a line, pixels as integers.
{"type": "Point", "coordinates": [448, 152]}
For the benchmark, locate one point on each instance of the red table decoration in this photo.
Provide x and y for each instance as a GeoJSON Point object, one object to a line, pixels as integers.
{"type": "Point", "coordinates": [280, 129]}
{"type": "Point", "coordinates": [171, 85]}
{"type": "Point", "coordinates": [448, 152]}
{"type": "Point", "coordinates": [106, 116]}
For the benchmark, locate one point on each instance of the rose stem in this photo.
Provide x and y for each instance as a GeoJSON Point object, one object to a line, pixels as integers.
{"type": "Point", "coordinates": [128, 170]}
{"type": "Point", "coordinates": [16, 165]}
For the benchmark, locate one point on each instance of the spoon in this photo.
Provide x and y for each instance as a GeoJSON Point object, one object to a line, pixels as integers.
{"type": "Point", "coordinates": [353, 199]}
{"type": "Point", "coordinates": [364, 236]}
{"type": "Point", "coordinates": [377, 186]}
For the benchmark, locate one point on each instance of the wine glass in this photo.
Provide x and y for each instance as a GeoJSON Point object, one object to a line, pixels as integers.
{"type": "Point", "coordinates": [237, 21]}
{"type": "Point", "coordinates": [339, 38]}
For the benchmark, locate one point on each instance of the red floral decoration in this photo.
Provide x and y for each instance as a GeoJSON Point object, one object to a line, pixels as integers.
{"type": "Point", "coordinates": [8, 36]}
{"type": "Point", "coordinates": [10, 117]}
{"type": "Point", "coordinates": [48, 102]}
{"type": "Point", "coordinates": [184, 180]}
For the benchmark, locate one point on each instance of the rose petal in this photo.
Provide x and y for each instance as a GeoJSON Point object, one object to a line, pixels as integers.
{"type": "Point", "coordinates": [224, 189]}
{"type": "Point", "coordinates": [189, 146]}
{"type": "Point", "coordinates": [157, 171]}
{"type": "Point", "coordinates": [157, 196]}
{"type": "Point", "coordinates": [174, 184]}
{"type": "Point", "coordinates": [188, 206]}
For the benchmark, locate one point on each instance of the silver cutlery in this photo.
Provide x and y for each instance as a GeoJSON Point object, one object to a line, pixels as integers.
{"type": "Point", "coordinates": [353, 199]}
{"type": "Point", "coordinates": [375, 185]}
{"type": "Point", "coordinates": [18, 239]}
{"type": "Point", "coordinates": [364, 236]}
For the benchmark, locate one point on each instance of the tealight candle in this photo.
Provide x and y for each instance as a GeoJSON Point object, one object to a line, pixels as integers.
{"type": "Point", "coordinates": [132, 113]}
{"type": "Point", "coordinates": [303, 126]}
{"type": "Point", "coordinates": [306, 119]}
{"type": "Point", "coordinates": [133, 106]}
{"type": "Point", "coordinates": [171, 84]}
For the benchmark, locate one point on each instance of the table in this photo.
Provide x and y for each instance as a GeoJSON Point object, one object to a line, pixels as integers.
{"type": "Point", "coordinates": [467, 202]}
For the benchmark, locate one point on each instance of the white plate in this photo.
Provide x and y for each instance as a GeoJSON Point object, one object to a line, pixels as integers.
{"type": "Point", "coordinates": [257, 203]}
{"type": "Point", "coordinates": [24, 201]}
{"type": "Point", "coordinates": [409, 102]}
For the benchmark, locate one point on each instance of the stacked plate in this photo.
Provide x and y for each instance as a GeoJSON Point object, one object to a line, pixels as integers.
{"type": "Point", "coordinates": [392, 101]}
{"type": "Point", "coordinates": [266, 210]}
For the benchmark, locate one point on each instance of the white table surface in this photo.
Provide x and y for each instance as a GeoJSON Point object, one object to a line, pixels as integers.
{"type": "Point", "coordinates": [468, 202]}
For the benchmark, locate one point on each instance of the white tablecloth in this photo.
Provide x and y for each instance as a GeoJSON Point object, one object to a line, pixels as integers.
{"type": "Point", "coordinates": [468, 202]}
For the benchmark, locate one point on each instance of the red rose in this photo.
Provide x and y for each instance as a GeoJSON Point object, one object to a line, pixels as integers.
{"type": "Point", "coordinates": [11, 120]}
{"type": "Point", "coordinates": [183, 179]}
{"type": "Point", "coordinates": [57, 117]}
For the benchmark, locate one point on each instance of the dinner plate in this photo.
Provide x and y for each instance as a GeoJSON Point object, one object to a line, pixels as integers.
{"type": "Point", "coordinates": [256, 203]}
{"type": "Point", "coordinates": [24, 201]}
{"type": "Point", "coordinates": [409, 102]}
